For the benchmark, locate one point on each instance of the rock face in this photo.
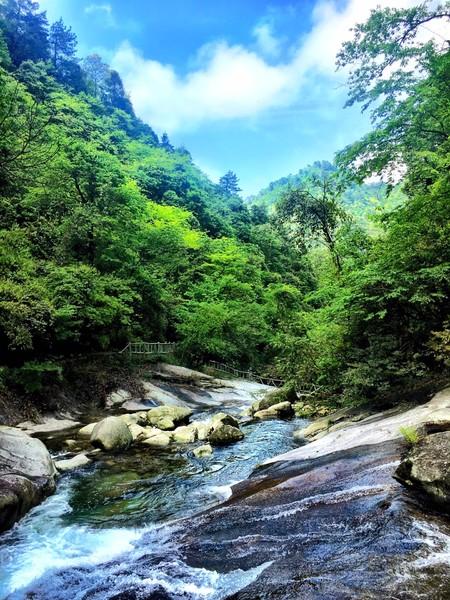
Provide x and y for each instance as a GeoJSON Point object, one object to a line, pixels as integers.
{"type": "Point", "coordinates": [27, 474]}
{"type": "Point", "coordinates": [111, 434]}
{"type": "Point", "coordinates": [168, 417]}
{"type": "Point", "coordinates": [426, 467]}
{"type": "Point", "coordinates": [225, 434]}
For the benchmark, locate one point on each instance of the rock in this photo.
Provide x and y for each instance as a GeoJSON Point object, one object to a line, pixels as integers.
{"type": "Point", "coordinates": [203, 451]}
{"type": "Point", "coordinates": [426, 467]}
{"type": "Point", "coordinates": [137, 418]}
{"type": "Point", "coordinates": [49, 424]}
{"type": "Point", "coordinates": [158, 440]}
{"type": "Point", "coordinates": [71, 444]}
{"type": "Point", "coordinates": [273, 398]}
{"type": "Point", "coordinates": [68, 464]}
{"type": "Point", "coordinates": [312, 429]}
{"type": "Point", "coordinates": [117, 398]}
{"type": "Point", "coordinates": [111, 434]}
{"type": "Point", "coordinates": [27, 474]}
{"type": "Point", "coordinates": [86, 431]}
{"type": "Point", "coordinates": [183, 375]}
{"type": "Point", "coordinates": [225, 434]}
{"type": "Point", "coordinates": [168, 417]}
{"type": "Point", "coordinates": [159, 395]}
{"type": "Point", "coordinates": [282, 409]}
{"type": "Point", "coordinates": [224, 419]}
{"type": "Point", "coordinates": [204, 428]}
{"type": "Point", "coordinates": [138, 433]}
{"type": "Point", "coordinates": [186, 434]}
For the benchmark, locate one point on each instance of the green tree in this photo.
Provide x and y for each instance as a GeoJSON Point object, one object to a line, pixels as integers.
{"type": "Point", "coordinates": [314, 211]}
{"type": "Point", "coordinates": [229, 184]}
{"type": "Point", "coordinates": [25, 30]}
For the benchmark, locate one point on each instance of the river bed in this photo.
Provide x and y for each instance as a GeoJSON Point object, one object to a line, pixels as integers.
{"type": "Point", "coordinates": [163, 525]}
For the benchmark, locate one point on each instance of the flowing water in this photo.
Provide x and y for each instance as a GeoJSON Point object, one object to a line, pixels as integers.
{"type": "Point", "coordinates": [159, 524]}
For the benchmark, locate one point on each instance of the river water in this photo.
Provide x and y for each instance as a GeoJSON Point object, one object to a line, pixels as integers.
{"type": "Point", "coordinates": [151, 524]}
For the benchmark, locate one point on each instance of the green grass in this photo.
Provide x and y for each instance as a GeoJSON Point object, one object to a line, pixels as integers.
{"type": "Point", "coordinates": [410, 434]}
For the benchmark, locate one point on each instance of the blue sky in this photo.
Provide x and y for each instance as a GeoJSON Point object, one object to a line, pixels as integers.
{"type": "Point", "coordinates": [246, 85]}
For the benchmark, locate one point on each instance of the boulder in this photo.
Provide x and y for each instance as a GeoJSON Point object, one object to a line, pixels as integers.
{"type": "Point", "coordinates": [168, 417]}
{"type": "Point", "coordinates": [137, 418]}
{"type": "Point", "coordinates": [117, 398]}
{"type": "Point", "coordinates": [186, 434]}
{"type": "Point", "coordinates": [426, 468]}
{"type": "Point", "coordinates": [111, 434]}
{"type": "Point", "coordinates": [273, 398]}
{"type": "Point", "coordinates": [282, 409]}
{"type": "Point", "coordinates": [224, 419]}
{"type": "Point", "coordinates": [224, 434]}
{"type": "Point", "coordinates": [27, 474]}
{"type": "Point", "coordinates": [86, 431]}
{"type": "Point", "coordinates": [203, 451]}
{"type": "Point", "coordinates": [68, 464]}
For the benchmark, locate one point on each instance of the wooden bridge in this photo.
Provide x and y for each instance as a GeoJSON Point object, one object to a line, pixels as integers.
{"type": "Point", "coordinates": [249, 375]}
{"type": "Point", "coordinates": [154, 348]}
{"type": "Point", "coordinates": [146, 348]}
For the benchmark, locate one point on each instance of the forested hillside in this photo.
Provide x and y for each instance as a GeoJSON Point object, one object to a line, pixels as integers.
{"type": "Point", "coordinates": [362, 200]}
{"type": "Point", "coordinates": [110, 234]}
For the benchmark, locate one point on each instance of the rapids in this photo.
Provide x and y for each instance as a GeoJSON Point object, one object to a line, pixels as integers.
{"type": "Point", "coordinates": [161, 524]}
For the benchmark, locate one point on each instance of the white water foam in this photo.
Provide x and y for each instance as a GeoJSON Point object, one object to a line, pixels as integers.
{"type": "Point", "coordinates": [42, 541]}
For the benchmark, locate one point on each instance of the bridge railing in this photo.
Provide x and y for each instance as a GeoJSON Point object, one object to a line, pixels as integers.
{"type": "Point", "coordinates": [149, 348]}
{"type": "Point", "coordinates": [239, 374]}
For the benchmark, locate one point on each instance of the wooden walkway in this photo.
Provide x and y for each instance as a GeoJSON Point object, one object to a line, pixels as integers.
{"type": "Point", "coordinates": [154, 348]}
{"type": "Point", "coordinates": [146, 348]}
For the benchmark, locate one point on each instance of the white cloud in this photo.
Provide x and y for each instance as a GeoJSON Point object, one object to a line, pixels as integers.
{"type": "Point", "coordinates": [266, 42]}
{"type": "Point", "coordinates": [103, 11]}
{"type": "Point", "coordinates": [234, 81]}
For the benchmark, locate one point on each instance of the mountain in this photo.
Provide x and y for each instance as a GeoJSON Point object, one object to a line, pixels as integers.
{"type": "Point", "coordinates": [360, 200]}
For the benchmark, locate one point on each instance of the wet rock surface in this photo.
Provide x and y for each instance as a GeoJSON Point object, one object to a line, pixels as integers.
{"type": "Point", "coordinates": [334, 527]}
{"type": "Point", "coordinates": [426, 468]}
{"type": "Point", "coordinates": [27, 474]}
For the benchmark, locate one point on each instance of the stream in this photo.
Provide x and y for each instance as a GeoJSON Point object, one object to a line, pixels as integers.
{"type": "Point", "coordinates": [160, 524]}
